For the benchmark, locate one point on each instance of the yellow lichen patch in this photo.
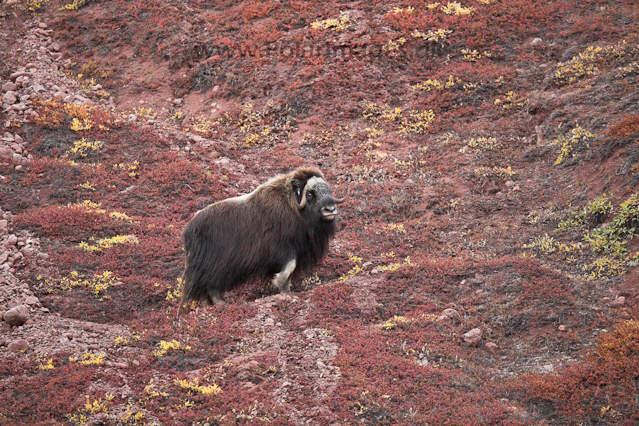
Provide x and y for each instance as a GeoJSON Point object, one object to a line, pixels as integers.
{"type": "Point", "coordinates": [342, 23]}
{"type": "Point", "coordinates": [474, 55]}
{"type": "Point", "coordinates": [120, 216]}
{"type": "Point", "coordinates": [195, 386]}
{"type": "Point", "coordinates": [75, 5]}
{"type": "Point", "coordinates": [97, 284]}
{"type": "Point", "coordinates": [572, 140]}
{"type": "Point", "coordinates": [83, 147]}
{"type": "Point", "coordinates": [132, 416]}
{"type": "Point", "coordinates": [45, 364]}
{"type": "Point", "coordinates": [478, 145]}
{"type": "Point", "coordinates": [356, 269]}
{"type": "Point", "coordinates": [437, 35]}
{"type": "Point", "coordinates": [88, 359]}
{"type": "Point", "coordinates": [164, 347]}
{"type": "Point", "coordinates": [121, 341]}
{"type": "Point", "coordinates": [417, 122]}
{"type": "Point", "coordinates": [90, 408]}
{"type": "Point", "coordinates": [455, 8]}
{"type": "Point", "coordinates": [394, 44]}
{"type": "Point", "coordinates": [604, 267]}
{"type": "Point", "coordinates": [205, 126]}
{"type": "Point", "coordinates": [175, 295]}
{"type": "Point", "coordinates": [131, 169]}
{"type": "Point", "coordinates": [87, 185]}
{"type": "Point", "coordinates": [408, 10]}
{"type": "Point", "coordinates": [504, 173]}
{"type": "Point", "coordinates": [106, 243]}
{"type": "Point", "coordinates": [83, 124]}
{"type": "Point", "coordinates": [395, 266]}
{"type": "Point", "coordinates": [398, 228]}
{"type": "Point", "coordinates": [393, 322]}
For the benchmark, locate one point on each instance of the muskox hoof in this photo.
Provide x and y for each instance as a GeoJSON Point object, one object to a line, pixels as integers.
{"type": "Point", "coordinates": [214, 298]}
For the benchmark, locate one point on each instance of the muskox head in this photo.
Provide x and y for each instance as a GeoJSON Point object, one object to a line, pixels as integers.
{"type": "Point", "coordinates": [315, 199]}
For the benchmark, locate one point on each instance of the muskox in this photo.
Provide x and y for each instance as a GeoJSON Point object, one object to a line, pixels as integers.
{"type": "Point", "coordinates": [283, 226]}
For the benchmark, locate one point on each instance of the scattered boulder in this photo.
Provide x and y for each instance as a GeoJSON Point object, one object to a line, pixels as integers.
{"type": "Point", "coordinates": [473, 337]}
{"type": "Point", "coordinates": [562, 328]}
{"type": "Point", "coordinates": [491, 346]}
{"type": "Point", "coordinates": [449, 314]}
{"type": "Point", "coordinates": [19, 345]}
{"type": "Point", "coordinates": [9, 87]}
{"type": "Point", "coordinates": [537, 42]}
{"type": "Point", "coordinates": [9, 98]}
{"type": "Point", "coordinates": [17, 315]}
{"type": "Point", "coordinates": [32, 300]}
{"type": "Point", "coordinates": [619, 301]}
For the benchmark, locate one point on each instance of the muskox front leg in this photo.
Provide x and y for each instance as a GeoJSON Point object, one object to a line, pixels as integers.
{"type": "Point", "coordinates": [282, 280]}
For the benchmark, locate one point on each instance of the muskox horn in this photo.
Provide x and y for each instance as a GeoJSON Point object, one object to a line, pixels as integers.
{"type": "Point", "coordinates": [344, 198]}
{"type": "Point", "coordinates": [302, 203]}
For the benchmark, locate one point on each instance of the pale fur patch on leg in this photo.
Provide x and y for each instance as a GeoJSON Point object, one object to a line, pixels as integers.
{"type": "Point", "coordinates": [282, 280]}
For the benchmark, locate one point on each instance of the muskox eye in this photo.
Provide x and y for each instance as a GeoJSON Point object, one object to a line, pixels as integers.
{"type": "Point", "coordinates": [310, 195]}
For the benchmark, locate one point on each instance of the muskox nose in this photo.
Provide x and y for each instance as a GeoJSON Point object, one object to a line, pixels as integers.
{"type": "Point", "coordinates": [329, 212]}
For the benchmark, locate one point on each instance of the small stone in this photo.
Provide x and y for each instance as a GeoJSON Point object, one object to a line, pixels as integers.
{"type": "Point", "coordinates": [473, 336]}
{"type": "Point", "coordinates": [3, 224]}
{"type": "Point", "coordinates": [537, 42]}
{"type": "Point", "coordinates": [452, 314]}
{"type": "Point", "coordinates": [37, 88]}
{"type": "Point", "coordinates": [510, 183]}
{"type": "Point", "coordinates": [17, 315]}
{"type": "Point", "coordinates": [562, 328]}
{"type": "Point", "coordinates": [42, 25]}
{"type": "Point", "coordinates": [491, 346]}
{"type": "Point", "coordinates": [367, 265]}
{"type": "Point", "coordinates": [619, 301]}
{"type": "Point", "coordinates": [177, 101]}
{"type": "Point", "coordinates": [605, 299]}
{"type": "Point", "coordinates": [9, 98]}
{"type": "Point", "coordinates": [16, 76]}
{"type": "Point", "coordinates": [55, 46]}
{"type": "Point", "coordinates": [9, 87]}
{"type": "Point", "coordinates": [12, 240]}
{"type": "Point", "coordinates": [269, 322]}
{"type": "Point", "coordinates": [32, 300]}
{"type": "Point", "coordinates": [549, 368]}
{"type": "Point", "coordinates": [19, 345]}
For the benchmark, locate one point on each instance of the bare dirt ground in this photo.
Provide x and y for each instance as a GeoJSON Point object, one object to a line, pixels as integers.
{"type": "Point", "coordinates": [485, 267]}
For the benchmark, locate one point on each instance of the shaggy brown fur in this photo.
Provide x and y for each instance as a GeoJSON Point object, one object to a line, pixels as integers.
{"type": "Point", "coordinates": [262, 233]}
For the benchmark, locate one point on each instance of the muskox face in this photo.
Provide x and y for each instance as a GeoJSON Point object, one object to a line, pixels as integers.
{"type": "Point", "coordinates": [316, 199]}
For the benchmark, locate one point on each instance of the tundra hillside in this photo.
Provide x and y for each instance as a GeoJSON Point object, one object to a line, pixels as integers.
{"type": "Point", "coordinates": [484, 268]}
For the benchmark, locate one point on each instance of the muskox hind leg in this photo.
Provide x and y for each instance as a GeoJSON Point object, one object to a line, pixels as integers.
{"type": "Point", "coordinates": [282, 280]}
{"type": "Point", "coordinates": [214, 297]}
